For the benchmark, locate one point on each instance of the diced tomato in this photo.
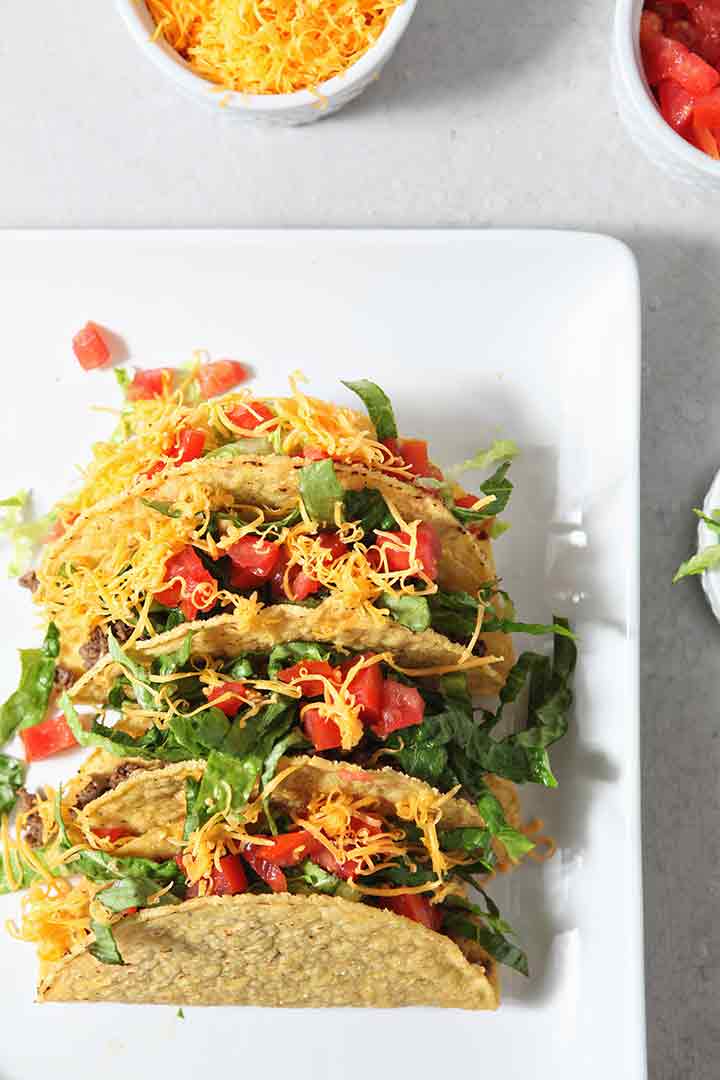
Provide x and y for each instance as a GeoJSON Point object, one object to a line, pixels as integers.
{"type": "Point", "coordinates": [310, 687]}
{"type": "Point", "coordinates": [366, 688]}
{"type": "Point", "coordinates": [707, 110]}
{"type": "Point", "coordinates": [90, 347]}
{"type": "Point", "coordinates": [289, 849]}
{"type": "Point", "coordinates": [230, 879]}
{"type": "Point", "coordinates": [187, 445]}
{"type": "Point", "coordinates": [302, 585]}
{"type": "Point", "coordinates": [705, 140]}
{"type": "Point", "coordinates": [234, 694]}
{"type": "Point", "coordinates": [321, 730]}
{"type": "Point", "coordinates": [414, 453]}
{"type": "Point", "coordinates": [466, 501]}
{"type": "Point", "coordinates": [219, 376]}
{"type": "Point", "coordinates": [47, 738]}
{"type": "Point", "coordinates": [344, 870]}
{"type": "Point", "coordinates": [667, 59]}
{"type": "Point", "coordinates": [314, 453]}
{"type": "Point", "coordinates": [186, 566]}
{"type": "Point", "coordinates": [276, 578]}
{"type": "Point", "coordinates": [676, 105]}
{"type": "Point", "coordinates": [666, 9]}
{"type": "Point", "coordinates": [401, 706]}
{"type": "Point", "coordinates": [244, 580]}
{"type": "Point", "coordinates": [112, 832]}
{"type": "Point", "coordinates": [335, 545]}
{"type": "Point", "coordinates": [249, 415]}
{"type": "Point", "coordinates": [417, 907]}
{"type": "Point", "coordinates": [267, 871]}
{"type": "Point", "coordinates": [393, 446]}
{"type": "Point", "coordinates": [651, 23]}
{"type": "Point", "coordinates": [255, 555]}
{"type": "Point", "coordinates": [705, 15]}
{"type": "Point", "coordinates": [150, 383]}
{"type": "Point", "coordinates": [428, 550]}
{"type": "Point", "coordinates": [682, 30]}
{"type": "Point", "coordinates": [58, 528]}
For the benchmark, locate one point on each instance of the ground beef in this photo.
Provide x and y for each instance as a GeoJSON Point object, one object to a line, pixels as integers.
{"type": "Point", "coordinates": [94, 647]}
{"type": "Point", "coordinates": [121, 773]}
{"type": "Point", "coordinates": [29, 580]}
{"type": "Point", "coordinates": [97, 787]}
{"type": "Point", "coordinates": [63, 678]}
{"type": "Point", "coordinates": [33, 828]}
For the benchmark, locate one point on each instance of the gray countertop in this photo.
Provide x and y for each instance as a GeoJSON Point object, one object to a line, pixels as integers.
{"type": "Point", "coordinates": [490, 114]}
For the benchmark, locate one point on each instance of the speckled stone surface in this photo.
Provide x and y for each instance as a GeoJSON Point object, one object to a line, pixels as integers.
{"type": "Point", "coordinates": [490, 114]}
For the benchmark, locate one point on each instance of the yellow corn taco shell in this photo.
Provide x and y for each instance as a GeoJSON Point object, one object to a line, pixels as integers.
{"type": "Point", "coordinates": [277, 951]}
{"type": "Point", "coordinates": [150, 803]}
{"type": "Point", "coordinates": [116, 532]}
{"type": "Point", "coordinates": [330, 622]}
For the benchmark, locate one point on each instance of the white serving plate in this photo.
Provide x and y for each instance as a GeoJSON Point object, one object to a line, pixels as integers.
{"type": "Point", "coordinates": [475, 335]}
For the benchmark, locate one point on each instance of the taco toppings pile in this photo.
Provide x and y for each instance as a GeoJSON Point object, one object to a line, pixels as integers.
{"type": "Point", "coordinates": [269, 620]}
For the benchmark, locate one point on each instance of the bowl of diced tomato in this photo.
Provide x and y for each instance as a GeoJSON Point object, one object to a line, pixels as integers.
{"type": "Point", "coordinates": [667, 82]}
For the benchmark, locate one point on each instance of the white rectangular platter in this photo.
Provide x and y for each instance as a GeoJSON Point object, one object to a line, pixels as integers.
{"type": "Point", "coordinates": [475, 335]}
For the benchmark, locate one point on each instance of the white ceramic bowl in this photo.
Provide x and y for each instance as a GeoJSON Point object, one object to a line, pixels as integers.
{"type": "Point", "coordinates": [706, 537]}
{"type": "Point", "coordinates": [301, 107]}
{"type": "Point", "coordinates": [640, 113]}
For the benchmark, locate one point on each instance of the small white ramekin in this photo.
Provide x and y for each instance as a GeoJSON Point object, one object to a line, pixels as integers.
{"type": "Point", "coordinates": [640, 113]}
{"type": "Point", "coordinates": [706, 537]}
{"type": "Point", "coordinates": [301, 107]}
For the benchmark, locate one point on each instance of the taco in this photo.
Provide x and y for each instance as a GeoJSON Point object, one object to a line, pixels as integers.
{"type": "Point", "coordinates": [336, 544]}
{"type": "Point", "coordinates": [320, 508]}
{"type": "Point", "coordinates": [328, 873]}
{"type": "Point", "coordinates": [237, 711]}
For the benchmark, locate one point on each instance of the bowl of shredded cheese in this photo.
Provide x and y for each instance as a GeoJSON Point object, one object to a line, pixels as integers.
{"type": "Point", "coordinates": [278, 62]}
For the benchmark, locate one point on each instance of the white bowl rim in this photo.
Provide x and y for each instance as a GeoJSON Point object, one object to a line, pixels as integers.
{"type": "Point", "coordinates": [627, 43]}
{"type": "Point", "coordinates": [139, 22]}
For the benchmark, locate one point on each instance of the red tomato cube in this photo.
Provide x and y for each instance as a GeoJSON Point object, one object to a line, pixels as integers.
{"type": "Point", "coordinates": [256, 556]}
{"type": "Point", "coordinates": [304, 671]}
{"type": "Point", "coordinates": [366, 687]}
{"type": "Point", "coordinates": [249, 415]}
{"type": "Point", "coordinates": [229, 697]}
{"type": "Point", "coordinates": [322, 731]}
{"type": "Point", "coordinates": [48, 737]}
{"type": "Point", "coordinates": [676, 105]}
{"type": "Point", "coordinates": [90, 347]}
{"type": "Point", "coordinates": [401, 706]}
{"type": "Point", "coordinates": [219, 376]}
{"type": "Point", "coordinates": [150, 383]}
{"type": "Point", "coordinates": [417, 907]}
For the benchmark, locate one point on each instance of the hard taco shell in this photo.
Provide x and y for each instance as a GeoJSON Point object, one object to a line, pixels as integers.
{"type": "Point", "coordinates": [279, 951]}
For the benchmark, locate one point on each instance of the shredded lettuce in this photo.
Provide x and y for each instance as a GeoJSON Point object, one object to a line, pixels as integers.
{"type": "Point", "coordinates": [410, 611]}
{"type": "Point", "coordinates": [706, 559]}
{"type": "Point", "coordinates": [485, 927]}
{"type": "Point", "coordinates": [321, 490]}
{"type": "Point", "coordinates": [28, 704]}
{"type": "Point", "coordinates": [12, 775]}
{"type": "Point", "coordinates": [501, 450]}
{"type": "Point", "coordinates": [24, 535]}
{"type": "Point", "coordinates": [104, 948]}
{"type": "Point", "coordinates": [378, 405]}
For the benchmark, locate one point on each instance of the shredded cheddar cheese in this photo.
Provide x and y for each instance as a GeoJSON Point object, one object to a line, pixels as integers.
{"type": "Point", "coordinates": [270, 46]}
{"type": "Point", "coordinates": [56, 916]}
